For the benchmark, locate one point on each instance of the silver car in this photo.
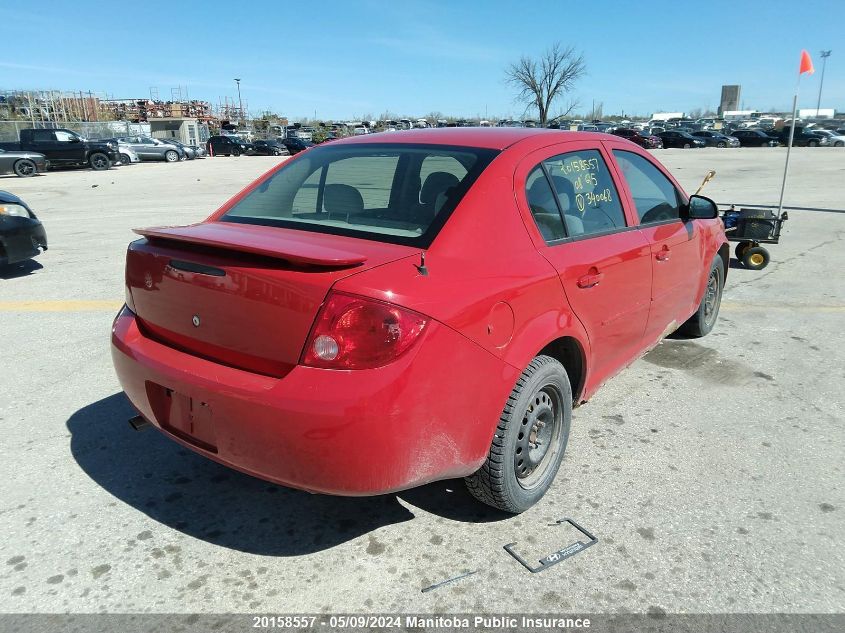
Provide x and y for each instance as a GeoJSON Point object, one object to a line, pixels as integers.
{"type": "Point", "coordinates": [23, 164]}
{"type": "Point", "coordinates": [153, 149]}
{"type": "Point", "coordinates": [127, 154]}
{"type": "Point", "coordinates": [191, 151]}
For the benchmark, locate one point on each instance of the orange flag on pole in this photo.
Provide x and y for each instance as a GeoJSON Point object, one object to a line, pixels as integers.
{"type": "Point", "coordinates": [806, 64]}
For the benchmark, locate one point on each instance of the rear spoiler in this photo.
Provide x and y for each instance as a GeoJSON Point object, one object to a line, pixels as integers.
{"type": "Point", "coordinates": [266, 241]}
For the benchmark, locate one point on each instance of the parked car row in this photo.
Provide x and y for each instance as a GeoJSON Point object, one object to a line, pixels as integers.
{"type": "Point", "coordinates": [657, 137]}
{"type": "Point", "coordinates": [230, 145]}
{"type": "Point", "coordinates": [39, 150]}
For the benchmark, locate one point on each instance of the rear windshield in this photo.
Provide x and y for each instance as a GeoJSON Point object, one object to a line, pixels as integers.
{"type": "Point", "coordinates": [387, 192]}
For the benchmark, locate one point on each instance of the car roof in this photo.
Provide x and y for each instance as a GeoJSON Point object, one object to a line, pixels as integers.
{"type": "Point", "coordinates": [482, 137]}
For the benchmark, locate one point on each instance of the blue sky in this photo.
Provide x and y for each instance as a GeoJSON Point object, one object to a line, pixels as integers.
{"type": "Point", "coordinates": [346, 59]}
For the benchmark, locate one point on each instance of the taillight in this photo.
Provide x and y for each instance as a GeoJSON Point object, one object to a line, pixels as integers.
{"type": "Point", "coordinates": [357, 333]}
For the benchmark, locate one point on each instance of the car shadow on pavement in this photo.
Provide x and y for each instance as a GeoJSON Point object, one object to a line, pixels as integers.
{"type": "Point", "coordinates": [24, 268]}
{"type": "Point", "coordinates": [206, 500]}
{"type": "Point", "coordinates": [203, 499]}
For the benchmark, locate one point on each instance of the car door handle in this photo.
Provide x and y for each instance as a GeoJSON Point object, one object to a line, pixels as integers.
{"type": "Point", "coordinates": [663, 255]}
{"type": "Point", "coordinates": [590, 280]}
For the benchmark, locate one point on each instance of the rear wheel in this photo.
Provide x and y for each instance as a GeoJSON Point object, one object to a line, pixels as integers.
{"type": "Point", "coordinates": [812, 144]}
{"type": "Point", "coordinates": [99, 161]}
{"type": "Point", "coordinates": [700, 323]}
{"type": "Point", "coordinates": [529, 441]}
{"type": "Point", "coordinates": [235, 152]}
{"type": "Point", "coordinates": [171, 156]}
{"type": "Point", "coordinates": [686, 145]}
{"type": "Point", "coordinates": [756, 258]}
{"type": "Point", "coordinates": [25, 168]}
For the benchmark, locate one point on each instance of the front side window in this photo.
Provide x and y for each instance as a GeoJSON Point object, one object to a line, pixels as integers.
{"type": "Point", "coordinates": [586, 193]}
{"type": "Point", "coordinates": [64, 137]}
{"type": "Point", "coordinates": [392, 192]}
{"type": "Point", "coordinates": [655, 197]}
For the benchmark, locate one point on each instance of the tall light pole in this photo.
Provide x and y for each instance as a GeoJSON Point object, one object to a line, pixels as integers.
{"type": "Point", "coordinates": [824, 56]}
{"type": "Point", "coordinates": [240, 103]}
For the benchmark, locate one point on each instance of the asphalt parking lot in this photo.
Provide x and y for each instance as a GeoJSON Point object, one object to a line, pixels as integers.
{"type": "Point", "coordinates": [711, 471]}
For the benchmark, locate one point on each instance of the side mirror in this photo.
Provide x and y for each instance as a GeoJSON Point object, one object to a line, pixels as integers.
{"type": "Point", "coordinates": [701, 208]}
{"type": "Point", "coordinates": [74, 139]}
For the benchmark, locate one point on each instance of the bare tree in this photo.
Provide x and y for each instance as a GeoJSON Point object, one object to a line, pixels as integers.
{"type": "Point", "coordinates": [541, 81]}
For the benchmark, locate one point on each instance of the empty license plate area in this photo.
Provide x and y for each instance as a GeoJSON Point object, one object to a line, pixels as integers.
{"type": "Point", "coordinates": [188, 418]}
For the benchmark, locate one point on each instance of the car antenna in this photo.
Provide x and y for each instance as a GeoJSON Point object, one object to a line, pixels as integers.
{"type": "Point", "coordinates": [421, 268]}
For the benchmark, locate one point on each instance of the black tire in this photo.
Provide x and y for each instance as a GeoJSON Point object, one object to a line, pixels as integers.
{"type": "Point", "coordinates": [756, 258]}
{"type": "Point", "coordinates": [686, 145]}
{"type": "Point", "coordinates": [702, 322]}
{"type": "Point", "coordinates": [542, 397]}
{"type": "Point", "coordinates": [124, 158]}
{"type": "Point", "coordinates": [171, 156]}
{"type": "Point", "coordinates": [812, 144]}
{"type": "Point", "coordinates": [721, 144]}
{"type": "Point", "coordinates": [839, 144]}
{"type": "Point", "coordinates": [24, 168]}
{"type": "Point", "coordinates": [99, 161]}
{"type": "Point", "coordinates": [235, 152]}
{"type": "Point", "coordinates": [740, 249]}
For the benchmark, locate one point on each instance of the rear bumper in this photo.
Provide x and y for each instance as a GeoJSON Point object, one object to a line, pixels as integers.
{"type": "Point", "coordinates": [22, 243]}
{"type": "Point", "coordinates": [430, 415]}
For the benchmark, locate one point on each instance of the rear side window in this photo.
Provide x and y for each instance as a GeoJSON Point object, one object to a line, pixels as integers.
{"type": "Point", "coordinates": [586, 193]}
{"type": "Point", "coordinates": [655, 197]}
{"type": "Point", "coordinates": [388, 192]}
{"type": "Point", "coordinates": [42, 136]}
{"type": "Point", "coordinates": [544, 209]}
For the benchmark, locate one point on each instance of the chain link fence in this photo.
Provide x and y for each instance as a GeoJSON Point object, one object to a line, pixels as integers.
{"type": "Point", "coordinates": [10, 130]}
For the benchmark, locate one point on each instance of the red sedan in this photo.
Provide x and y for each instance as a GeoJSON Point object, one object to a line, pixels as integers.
{"type": "Point", "coordinates": [389, 310]}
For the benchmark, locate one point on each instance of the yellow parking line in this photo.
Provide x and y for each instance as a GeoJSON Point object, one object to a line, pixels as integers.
{"type": "Point", "coordinates": [68, 305]}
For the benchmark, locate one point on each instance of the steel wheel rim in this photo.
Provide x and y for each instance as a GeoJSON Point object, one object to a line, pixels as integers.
{"type": "Point", "coordinates": [26, 168]}
{"type": "Point", "coordinates": [711, 297]}
{"type": "Point", "coordinates": [171, 157]}
{"type": "Point", "coordinates": [99, 161]}
{"type": "Point", "coordinates": [756, 259]}
{"type": "Point", "coordinates": [538, 440]}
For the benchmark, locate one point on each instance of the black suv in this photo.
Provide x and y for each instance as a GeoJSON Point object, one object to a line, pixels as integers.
{"type": "Point", "coordinates": [228, 146]}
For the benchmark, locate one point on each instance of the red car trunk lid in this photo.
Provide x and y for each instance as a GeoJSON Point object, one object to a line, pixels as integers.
{"type": "Point", "coordinates": [242, 295]}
